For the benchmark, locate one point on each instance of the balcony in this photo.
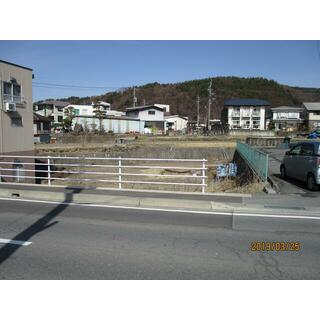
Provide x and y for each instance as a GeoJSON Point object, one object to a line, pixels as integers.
{"type": "Point", "coordinates": [235, 114]}
{"type": "Point", "coordinates": [256, 114]}
{"type": "Point", "coordinates": [13, 99]}
{"type": "Point", "coordinates": [245, 114]}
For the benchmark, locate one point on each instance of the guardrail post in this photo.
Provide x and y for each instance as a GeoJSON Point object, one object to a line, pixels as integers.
{"type": "Point", "coordinates": [120, 171]}
{"type": "Point", "coordinates": [49, 171]}
{"type": "Point", "coordinates": [203, 174]}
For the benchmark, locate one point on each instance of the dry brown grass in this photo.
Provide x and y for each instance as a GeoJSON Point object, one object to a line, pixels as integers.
{"type": "Point", "coordinates": [217, 149]}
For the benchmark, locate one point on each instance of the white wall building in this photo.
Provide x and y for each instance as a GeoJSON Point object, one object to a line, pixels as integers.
{"type": "Point", "coordinates": [152, 115]}
{"type": "Point", "coordinates": [88, 110]}
{"type": "Point", "coordinates": [287, 118]}
{"type": "Point", "coordinates": [246, 114]}
{"type": "Point", "coordinates": [110, 124]}
{"type": "Point", "coordinates": [176, 122]}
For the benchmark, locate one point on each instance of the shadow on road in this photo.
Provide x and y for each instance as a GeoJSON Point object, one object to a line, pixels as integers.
{"type": "Point", "coordinates": [40, 225]}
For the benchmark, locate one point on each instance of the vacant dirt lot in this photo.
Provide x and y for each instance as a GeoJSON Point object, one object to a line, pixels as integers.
{"type": "Point", "coordinates": [217, 150]}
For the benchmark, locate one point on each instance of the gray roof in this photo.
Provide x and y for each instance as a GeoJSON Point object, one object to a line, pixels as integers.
{"type": "Point", "coordinates": [312, 106]}
{"type": "Point", "coordinates": [246, 102]}
{"type": "Point", "coordinates": [144, 108]}
{"type": "Point", "coordinates": [57, 103]}
{"type": "Point", "coordinates": [39, 117]}
{"type": "Point", "coordinates": [287, 108]}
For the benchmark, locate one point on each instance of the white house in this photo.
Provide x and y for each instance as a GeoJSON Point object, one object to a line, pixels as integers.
{"type": "Point", "coordinates": [287, 118]}
{"type": "Point", "coordinates": [246, 114]}
{"type": "Point", "coordinates": [88, 109]}
{"type": "Point", "coordinates": [312, 111]}
{"type": "Point", "coordinates": [176, 122]}
{"type": "Point", "coordinates": [152, 115]}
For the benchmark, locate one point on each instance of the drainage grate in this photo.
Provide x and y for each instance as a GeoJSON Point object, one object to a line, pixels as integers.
{"type": "Point", "coordinates": [17, 195]}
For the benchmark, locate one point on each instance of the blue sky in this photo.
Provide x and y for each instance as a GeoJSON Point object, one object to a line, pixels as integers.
{"type": "Point", "coordinates": [114, 64]}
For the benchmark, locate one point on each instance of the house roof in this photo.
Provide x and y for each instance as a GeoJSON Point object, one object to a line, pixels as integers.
{"type": "Point", "coordinates": [175, 116]}
{"type": "Point", "coordinates": [287, 108]}
{"type": "Point", "coordinates": [57, 103]}
{"type": "Point", "coordinates": [312, 106]}
{"type": "Point", "coordinates": [15, 65]}
{"type": "Point", "coordinates": [246, 102]}
{"type": "Point", "coordinates": [39, 117]}
{"type": "Point", "coordinates": [141, 108]}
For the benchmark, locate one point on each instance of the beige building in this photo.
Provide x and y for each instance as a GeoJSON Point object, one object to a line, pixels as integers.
{"type": "Point", "coordinates": [16, 114]}
{"type": "Point", "coordinates": [312, 113]}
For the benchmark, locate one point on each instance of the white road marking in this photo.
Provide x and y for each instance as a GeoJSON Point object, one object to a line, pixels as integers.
{"type": "Point", "coordinates": [17, 242]}
{"type": "Point", "coordinates": [258, 215]}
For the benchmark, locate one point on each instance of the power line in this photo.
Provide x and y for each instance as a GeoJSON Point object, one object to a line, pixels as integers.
{"type": "Point", "coordinates": [77, 86]}
{"type": "Point", "coordinates": [66, 88]}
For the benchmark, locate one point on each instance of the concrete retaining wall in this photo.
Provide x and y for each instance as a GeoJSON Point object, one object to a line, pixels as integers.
{"type": "Point", "coordinates": [265, 141]}
{"type": "Point", "coordinates": [256, 133]}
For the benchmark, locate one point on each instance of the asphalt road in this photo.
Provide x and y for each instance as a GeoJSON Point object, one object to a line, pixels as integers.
{"type": "Point", "coordinates": [74, 242]}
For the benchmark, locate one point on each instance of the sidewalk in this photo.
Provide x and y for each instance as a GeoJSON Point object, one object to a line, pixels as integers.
{"type": "Point", "coordinates": [303, 204]}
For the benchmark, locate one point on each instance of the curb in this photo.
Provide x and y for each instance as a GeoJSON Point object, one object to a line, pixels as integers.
{"type": "Point", "coordinates": [220, 194]}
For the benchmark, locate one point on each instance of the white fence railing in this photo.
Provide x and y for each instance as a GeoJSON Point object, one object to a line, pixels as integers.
{"type": "Point", "coordinates": [117, 172]}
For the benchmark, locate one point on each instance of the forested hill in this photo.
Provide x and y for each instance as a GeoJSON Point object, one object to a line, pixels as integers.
{"type": "Point", "coordinates": [182, 96]}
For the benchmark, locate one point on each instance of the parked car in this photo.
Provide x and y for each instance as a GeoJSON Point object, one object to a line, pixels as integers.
{"type": "Point", "coordinates": [302, 162]}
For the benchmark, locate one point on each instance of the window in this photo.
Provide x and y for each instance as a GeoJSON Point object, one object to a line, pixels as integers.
{"type": "Point", "coordinates": [295, 151]}
{"type": "Point", "coordinates": [7, 88]}
{"type": "Point", "coordinates": [16, 90]}
{"type": "Point", "coordinates": [16, 121]}
{"type": "Point", "coordinates": [307, 150]}
{"type": "Point", "coordinates": [11, 92]}
{"type": "Point", "coordinates": [151, 112]}
{"type": "Point", "coordinates": [76, 112]}
{"type": "Point", "coordinates": [60, 118]}
{"type": "Point", "coordinates": [316, 113]}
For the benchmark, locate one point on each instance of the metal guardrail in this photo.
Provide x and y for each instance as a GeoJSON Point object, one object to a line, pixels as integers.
{"type": "Point", "coordinates": [257, 160]}
{"type": "Point", "coordinates": [119, 170]}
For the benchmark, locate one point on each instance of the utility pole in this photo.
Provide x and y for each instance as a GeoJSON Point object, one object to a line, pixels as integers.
{"type": "Point", "coordinates": [198, 110]}
{"type": "Point", "coordinates": [144, 101]}
{"type": "Point", "coordinates": [134, 97]}
{"type": "Point", "coordinates": [209, 104]}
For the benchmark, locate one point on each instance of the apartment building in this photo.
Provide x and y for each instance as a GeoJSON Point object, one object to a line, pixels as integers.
{"type": "Point", "coordinates": [248, 114]}
{"type": "Point", "coordinates": [16, 117]}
